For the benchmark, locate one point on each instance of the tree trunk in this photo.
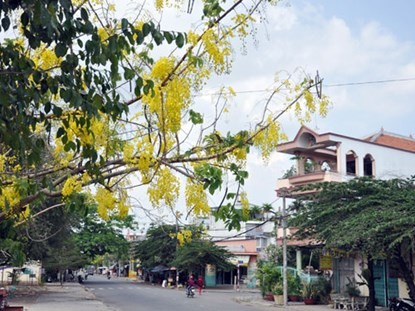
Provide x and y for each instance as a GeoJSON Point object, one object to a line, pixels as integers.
{"type": "Point", "coordinates": [406, 271]}
{"type": "Point", "coordinates": [371, 284]}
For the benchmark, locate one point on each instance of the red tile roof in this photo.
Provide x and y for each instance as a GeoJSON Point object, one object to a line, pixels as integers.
{"type": "Point", "coordinates": [393, 140]}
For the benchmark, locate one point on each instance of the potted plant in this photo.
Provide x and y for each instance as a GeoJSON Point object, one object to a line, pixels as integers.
{"type": "Point", "coordinates": [323, 288]}
{"type": "Point", "coordinates": [278, 293]}
{"type": "Point", "coordinates": [268, 275]}
{"type": "Point", "coordinates": [294, 287]}
{"type": "Point", "coordinates": [309, 293]}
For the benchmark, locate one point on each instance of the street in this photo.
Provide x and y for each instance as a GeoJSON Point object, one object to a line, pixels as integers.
{"type": "Point", "coordinates": [124, 295]}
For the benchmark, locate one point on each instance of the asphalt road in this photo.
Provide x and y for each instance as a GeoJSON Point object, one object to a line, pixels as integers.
{"type": "Point", "coordinates": [123, 295]}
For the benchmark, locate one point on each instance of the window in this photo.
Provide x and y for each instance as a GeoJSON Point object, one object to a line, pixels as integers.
{"type": "Point", "coordinates": [368, 165]}
{"type": "Point", "coordinates": [351, 163]}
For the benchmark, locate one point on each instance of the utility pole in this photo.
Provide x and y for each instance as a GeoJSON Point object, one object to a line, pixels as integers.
{"type": "Point", "coordinates": [283, 192]}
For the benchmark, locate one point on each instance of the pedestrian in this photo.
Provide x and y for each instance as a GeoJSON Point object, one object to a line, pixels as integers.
{"type": "Point", "coordinates": [200, 283]}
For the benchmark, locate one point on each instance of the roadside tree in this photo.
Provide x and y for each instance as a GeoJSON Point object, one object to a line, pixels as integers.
{"type": "Point", "coordinates": [368, 216]}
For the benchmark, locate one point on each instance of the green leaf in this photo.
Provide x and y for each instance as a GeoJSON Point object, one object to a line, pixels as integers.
{"type": "Point", "coordinates": [5, 22]}
{"type": "Point", "coordinates": [124, 24]}
{"type": "Point", "coordinates": [70, 145]}
{"type": "Point", "coordinates": [66, 95]}
{"type": "Point", "coordinates": [138, 86]}
{"type": "Point", "coordinates": [84, 14]}
{"type": "Point", "coordinates": [60, 49]}
{"type": "Point", "coordinates": [169, 37]}
{"type": "Point", "coordinates": [24, 19]}
{"type": "Point", "coordinates": [180, 40]}
{"type": "Point", "coordinates": [128, 73]}
{"type": "Point", "coordinates": [61, 131]}
{"type": "Point", "coordinates": [146, 29]}
{"type": "Point", "coordinates": [195, 117]}
{"type": "Point", "coordinates": [158, 37]}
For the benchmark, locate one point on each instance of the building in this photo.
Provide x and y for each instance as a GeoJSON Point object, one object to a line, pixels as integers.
{"type": "Point", "coordinates": [246, 244]}
{"type": "Point", "coordinates": [331, 157]}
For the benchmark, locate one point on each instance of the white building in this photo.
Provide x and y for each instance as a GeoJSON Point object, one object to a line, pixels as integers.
{"type": "Point", "coordinates": [331, 157]}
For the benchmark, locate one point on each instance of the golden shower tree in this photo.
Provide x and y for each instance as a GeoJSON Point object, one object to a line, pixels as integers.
{"type": "Point", "coordinates": [92, 106]}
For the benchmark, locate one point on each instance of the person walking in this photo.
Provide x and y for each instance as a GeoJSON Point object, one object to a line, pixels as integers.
{"type": "Point", "coordinates": [200, 283]}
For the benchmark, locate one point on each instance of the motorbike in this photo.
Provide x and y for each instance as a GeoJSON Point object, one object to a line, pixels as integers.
{"type": "Point", "coordinates": [401, 304]}
{"type": "Point", "coordinates": [190, 292]}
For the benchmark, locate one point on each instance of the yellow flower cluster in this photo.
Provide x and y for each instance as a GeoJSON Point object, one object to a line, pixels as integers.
{"type": "Point", "coordinates": [103, 34]}
{"type": "Point", "coordinates": [184, 236]}
{"type": "Point", "coordinates": [106, 202]}
{"type": "Point", "coordinates": [140, 156]}
{"type": "Point", "coordinates": [164, 188]}
{"type": "Point", "coordinates": [162, 68]}
{"type": "Point", "coordinates": [123, 205]}
{"type": "Point", "coordinates": [177, 94]}
{"type": "Point", "coordinates": [242, 21]}
{"type": "Point", "coordinates": [62, 157]}
{"type": "Point", "coordinates": [46, 58]}
{"type": "Point", "coordinates": [196, 198]}
{"type": "Point", "coordinates": [97, 134]}
{"type": "Point", "coordinates": [9, 197]}
{"type": "Point", "coordinates": [9, 164]}
{"type": "Point", "coordinates": [267, 140]}
{"type": "Point", "coordinates": [192, 37]}
{"type": "Point", "coordinates": [3, 162]}
{"type": "Point", "coordinates": [244, 204]}
{"type": "Point", "coordinates": [217, 49]}
{"type": "Point", "coordinates": [169, 101]}
{"type": "Point", "coordinates": [72, 184]}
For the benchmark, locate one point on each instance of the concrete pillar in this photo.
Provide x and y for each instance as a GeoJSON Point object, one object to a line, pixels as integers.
{"type": "Point", "coordinates": [298, 259]}
{"type": "Point", "coordinates": [210, 276]}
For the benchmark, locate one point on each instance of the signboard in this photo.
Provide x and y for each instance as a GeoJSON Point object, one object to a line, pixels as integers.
{"type": "Point", "coordinates": [326, 262]}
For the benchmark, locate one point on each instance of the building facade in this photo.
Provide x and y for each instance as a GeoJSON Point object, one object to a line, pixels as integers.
{"type": "Point", "coordinates": [331, 157]}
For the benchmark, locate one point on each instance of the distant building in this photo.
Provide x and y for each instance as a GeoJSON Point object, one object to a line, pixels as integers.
{"type": "Point", "coordinates": [246, 244]}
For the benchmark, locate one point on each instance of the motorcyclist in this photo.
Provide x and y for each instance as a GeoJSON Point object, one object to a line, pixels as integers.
{"type": "Point", "coordinates": [190, 283]}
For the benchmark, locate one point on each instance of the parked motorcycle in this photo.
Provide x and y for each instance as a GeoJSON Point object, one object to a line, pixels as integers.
{"type": "Point", "coordinates": [401, 304]}
{"type": "Point", "coordinates": [190, 292]}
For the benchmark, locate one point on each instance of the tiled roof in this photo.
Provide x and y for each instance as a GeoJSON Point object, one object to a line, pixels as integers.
{"type": "Point", "coordinates": [393, 140]}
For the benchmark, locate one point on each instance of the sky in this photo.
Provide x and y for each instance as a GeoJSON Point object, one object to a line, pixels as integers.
{"type": "Point", "coordinates": [365, 53]}
{"type": "Point", "coordinates": [363, 49]}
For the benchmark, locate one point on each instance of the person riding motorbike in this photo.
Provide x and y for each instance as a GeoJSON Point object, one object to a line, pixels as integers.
{"type": "Point", "coordinates": [190, 285]}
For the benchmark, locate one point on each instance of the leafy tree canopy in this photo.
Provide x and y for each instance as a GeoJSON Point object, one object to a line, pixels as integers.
{"type": "Point", "coordinates": [112, 101]}
{"type": "Point", "coordinates": [371, 216]}
{"type": "Point", "coordinates": [159, 246]}
{"type": "Point", "coordinates": [96, 237]}
{"type": "Point", "coordinates": [194, 256]}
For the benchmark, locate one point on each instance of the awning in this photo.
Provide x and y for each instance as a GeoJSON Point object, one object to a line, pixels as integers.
{"type": "Point", "coordinates": [241, 260]}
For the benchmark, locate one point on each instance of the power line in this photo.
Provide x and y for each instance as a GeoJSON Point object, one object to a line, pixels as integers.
{"type": "Point", "coordinates": [324, 85]}
{"type": "Point", "coordinates": [370, 82]}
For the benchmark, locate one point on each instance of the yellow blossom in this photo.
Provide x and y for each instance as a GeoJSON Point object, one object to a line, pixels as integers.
{"type": "Point", "coordinates": [164, 188]}
{"type": "Point", "coordinates": [244, 204]}
{"type": "Point", "coordinates": [72, 184]}
{"type": "Point", "coordinates": [196, 198]}
{"type": "Point", "coordinates": [184, 236]}
{"type": "Point", "coordinates": [106, 202]}
{"type": "Point", "coordinates": [162, 68]}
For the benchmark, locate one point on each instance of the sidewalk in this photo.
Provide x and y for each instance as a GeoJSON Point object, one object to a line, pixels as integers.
{"type": "Point", "coordinates": [53, 296]}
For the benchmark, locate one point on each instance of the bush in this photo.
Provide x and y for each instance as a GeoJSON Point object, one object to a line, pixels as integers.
{"type": "Point", "coordinates": [268, 275]}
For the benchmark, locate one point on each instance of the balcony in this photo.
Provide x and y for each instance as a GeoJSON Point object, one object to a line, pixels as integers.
{"type": "Point", "coordinates": [300, 180]}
